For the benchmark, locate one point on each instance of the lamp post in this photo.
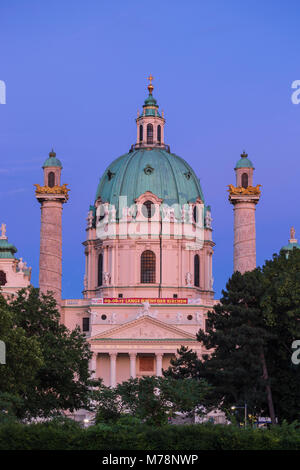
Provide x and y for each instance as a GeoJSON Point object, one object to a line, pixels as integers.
{"type": "Point", "coordinates": [242, 407]}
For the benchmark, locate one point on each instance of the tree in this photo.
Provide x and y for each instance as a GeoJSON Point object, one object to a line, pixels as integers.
{"type": "Point", "coordinates": [281, 310]}
{"type": "Point", "coordinates": [185, 365]}
{"type": "Point", "coordinates": [150, 399]}
{"type": "Point", "coordinates": [61, 378]}
{"type": "Point", "coordinates": [23, 360]}
{"type": "Point", "coordinates": [237, 339]}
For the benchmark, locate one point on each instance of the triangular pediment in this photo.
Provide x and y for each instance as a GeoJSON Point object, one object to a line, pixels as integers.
{"type": "Point", "coordinates": [144, 328]}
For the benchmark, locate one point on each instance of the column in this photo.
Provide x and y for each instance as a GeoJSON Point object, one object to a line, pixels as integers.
{"type": "Point", "coordinates": [132, 365]}
{"type": "Point", "coordinates": [159, 357]}
{"type": "Point", "coordinates": [113, 369]}
{"type": "Point", "coordinates": [93, 365]}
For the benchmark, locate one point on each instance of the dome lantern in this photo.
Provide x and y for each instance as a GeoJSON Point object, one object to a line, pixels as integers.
{"type": "Point", "coordinates": [244, 171]}
{"type": "Point", "coordinates": [150, 124]}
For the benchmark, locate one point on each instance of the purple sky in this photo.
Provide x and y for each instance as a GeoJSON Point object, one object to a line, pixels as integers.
{"type": "Point", "coordinates": [75, 73]}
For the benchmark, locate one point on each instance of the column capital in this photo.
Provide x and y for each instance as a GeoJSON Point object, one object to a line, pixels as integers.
{"type": "Point", "coordinates": [132, 354]}
{"type": "Point", "coordinates": [159, 354]}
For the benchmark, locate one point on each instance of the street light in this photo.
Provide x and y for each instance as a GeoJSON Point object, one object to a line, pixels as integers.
{"type": "Point", "coordinates": [242, 407]}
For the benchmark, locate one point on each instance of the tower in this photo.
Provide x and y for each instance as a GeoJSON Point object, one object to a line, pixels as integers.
{"type": "Point", "coordinates": [51, 196]}
{"type": "Point", "coordinates": [244, 197]}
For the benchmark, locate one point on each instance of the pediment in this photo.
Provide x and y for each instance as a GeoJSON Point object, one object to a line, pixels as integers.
{"type": "Point", "coordinates": [144, 328]}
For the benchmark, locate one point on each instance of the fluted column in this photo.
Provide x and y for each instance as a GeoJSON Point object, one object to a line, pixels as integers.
{"type": "Point", "coordinates": [159, 357]}
{"type": "Point", "coordinates": [132, 365]}
{"type": "Point", "coordinates": [113, 369]}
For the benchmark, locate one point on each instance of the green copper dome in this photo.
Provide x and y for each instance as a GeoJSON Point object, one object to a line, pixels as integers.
{"type": "Point", "coordinates": [7, 250]}
{"type": "Point", "coordinates": [291, 246]}
{"type": "Point", "coordinates": [52, 160]}
{"type": "Point", "coordinates": [165, 174]}
{"type": "Point", "coordinates": [244, 162]}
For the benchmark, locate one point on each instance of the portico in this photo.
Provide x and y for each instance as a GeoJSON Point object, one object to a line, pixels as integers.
{"type": "Point", "coordinates": [114, 367]}
{"type": "Point", "coordinates": [135, 348]}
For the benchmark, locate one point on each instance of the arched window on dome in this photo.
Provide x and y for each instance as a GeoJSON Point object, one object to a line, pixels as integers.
{"type": "Point", "coordinates": [148, 267]}
{"type": "Point", "coordinates": [141, 133]}
{"type": "Point", "coordinates": [100, 269]}
{"type": "Point", "coordinates": [51, 179]}
{"type": "Point", "coordinates": [196, 271]}
{"type": "Point", "coordinates": [148, 209]}
{"type": "Point", "coordinates": [244, 180]}
{"type": "Point", "coordinates": [195, 214]}
{"type": "Point", "coordinates": [158, 134]}
{"type": "Point", "coordinates": [149, 134]}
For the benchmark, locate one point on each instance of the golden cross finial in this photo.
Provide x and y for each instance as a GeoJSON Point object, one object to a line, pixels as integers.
{"type": "Point", "coordinates": [150, 86]}
{"type": "Point", "coordinates": [150, 78]}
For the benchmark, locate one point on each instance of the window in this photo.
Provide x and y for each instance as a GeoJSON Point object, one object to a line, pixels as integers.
{"type": "Point", "coordinates": [148, 267]}
{"type": "Point", "coordinates": [120, 296]}
{"type": "Point", "coordinates": [196, 270]}
{"type": "Point", "coordinates": [141, 133]}
{"type": "Point", "coordinates": [190, 317]}
{"type": "Point", "coordinates": [159, 134]}
{"type": "Point", "coordinates": [85, 324]}
{"type": "Point", "coordinates": [149, 134]}
{"type": "Point", "coordinates": [103, 317]}
{"type": "Point", "coordinates": [175, 296]}
{"type": "Point", "coordinates": [100, 269]}
{"type": "Point", "coordinates": [148, 209]}
{"type": "Point", "coordinates": [51, 179]}
{"type": "Point", "coordinates": [3, 279]}
{"type": "Point", "coordinates": [244, 180]}
{"type": "Point", "coordinates": [195, 214]}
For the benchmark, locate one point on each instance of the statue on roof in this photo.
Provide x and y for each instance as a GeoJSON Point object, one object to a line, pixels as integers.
{"type": "Point", "coordinates": [292, 232]}
{"type": "Point", "coordinates": [3, 231]}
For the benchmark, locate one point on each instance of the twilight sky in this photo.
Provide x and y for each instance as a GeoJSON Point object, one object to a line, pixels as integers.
{"type": "Point", "coordinates": [75, 74]}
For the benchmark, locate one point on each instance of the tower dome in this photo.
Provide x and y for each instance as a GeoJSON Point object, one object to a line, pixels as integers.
{"type": "Point", "coordinates": [244, 162]}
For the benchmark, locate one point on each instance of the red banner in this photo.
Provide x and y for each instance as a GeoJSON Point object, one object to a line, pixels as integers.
{"type": "Point", "coordinates": [138, 300]}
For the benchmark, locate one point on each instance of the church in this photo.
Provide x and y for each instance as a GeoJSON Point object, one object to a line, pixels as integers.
{"type": "Point", "coordinates": [148, 252]}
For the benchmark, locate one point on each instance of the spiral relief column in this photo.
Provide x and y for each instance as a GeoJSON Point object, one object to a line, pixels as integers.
{"type": "Point", "coordinates": [244, 198]}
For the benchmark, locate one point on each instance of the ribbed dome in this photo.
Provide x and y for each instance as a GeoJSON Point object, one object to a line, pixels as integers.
{"type": "Point", "coordinates": [165, 174]}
